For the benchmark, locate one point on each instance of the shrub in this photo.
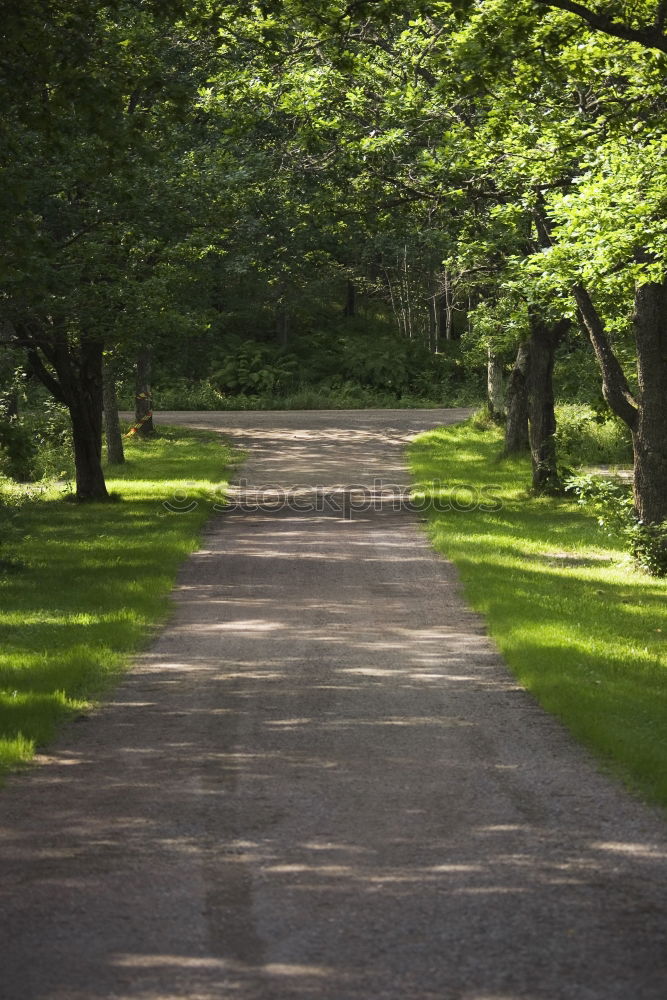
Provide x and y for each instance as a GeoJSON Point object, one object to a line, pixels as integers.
{"type": "Point", "coordinates": [482, 420]}
{"type": "Point", "coordinates": [612, 501]}
{"type": "Point", "coordinates": [52, 432]}
{"type": "Point", "coordinates": [184, 395]}
{"type": "Point", "coordinates": [649, 546]}
{"type": "Point", "coordinates": [38, 446]}
{"type": "Point", "coordinates": [18, 451]}
{"type": "Point", "coordinates": [256, 368]}
{"type": "Point", "coordinates": [585, 437]}
{"type": "Point", "coordinates": [609, 498]}
{"type": "Point", "coordinates": [11, 501]}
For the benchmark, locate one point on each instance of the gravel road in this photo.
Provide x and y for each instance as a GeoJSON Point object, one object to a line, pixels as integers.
{"type": "Point", "coordinates": [321, 783]}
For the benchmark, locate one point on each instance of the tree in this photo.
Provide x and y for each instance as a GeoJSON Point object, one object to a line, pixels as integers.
{"type": "Point", "coordinates": [516, 425]}
{"type": "Point", "coordinates": [173, 163]}
{"type": "Point", "coordinates": [96, 97]}
{"type": "Point", "coordinates": [557, 117]}
{"type": "Point", "coordinates": [617, 21]}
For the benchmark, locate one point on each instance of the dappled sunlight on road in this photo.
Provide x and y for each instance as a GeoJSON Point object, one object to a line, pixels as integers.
{"type": "Point", "coordinates": [303, 449]}
{"type": "Point", "coordinates": [320, 782]}
{"type": "Point", "coordinates": [329, 775]}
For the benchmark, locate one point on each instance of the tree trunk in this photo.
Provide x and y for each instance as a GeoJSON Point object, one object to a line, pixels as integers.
{"type": "Point", "coordinates": [143, 406]}
{"type": "Point", "coordinates": [615, 388]}
{"type": "Point", "coordinates": [350, 308]}
{"type": "Point", "coordinates": [494, 384]}
{"type": "Point", "coordinates": [544, 339]}
{"type": "Point", "coordinates": [646, 416]}
{"type": "Point", "coordinates": [650, 432]}
{"type": "Point", "coordinates": [516, 428]}
{"type": "Point", "coordinates": [75, 379]}
{"type": "Point", "coordinates": [85, 409]}
{"type": "Point", "coordinates": [442, 318]}
{"type": "Point", "coordinates": [87, 437]}
{"type": "Point", "coordinates": [114, 438]}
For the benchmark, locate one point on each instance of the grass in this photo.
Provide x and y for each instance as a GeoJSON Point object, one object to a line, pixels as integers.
{"type": "Point", "coordinates": [580, 627]}
{"type": "Point", "coordinates": [83, 586]}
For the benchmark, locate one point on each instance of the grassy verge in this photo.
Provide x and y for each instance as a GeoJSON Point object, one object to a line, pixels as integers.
{"type": "Point", "coordinates": [580, 627]}
{"type": "Point", "coordinates": [82, 586]}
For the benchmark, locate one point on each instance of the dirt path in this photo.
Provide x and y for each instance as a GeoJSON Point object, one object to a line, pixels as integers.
{"type": "Point", "coordinates": [321, 783]}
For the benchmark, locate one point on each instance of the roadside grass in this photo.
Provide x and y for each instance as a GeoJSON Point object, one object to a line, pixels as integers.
{"type": "Point", "coordinates": [82, 587]}
{"type": "Point", "coordinates": [579, 626]}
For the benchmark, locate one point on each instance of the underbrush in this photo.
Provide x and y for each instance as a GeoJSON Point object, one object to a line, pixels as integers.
{"type": "Point", "coordinates": [183, 395]}
{"type": "Point", "coordinates": [38, 446]}
{"type": "Point", "coordinates": [348, 365]}
{"type": "Point", "coordinates": [586, 437]}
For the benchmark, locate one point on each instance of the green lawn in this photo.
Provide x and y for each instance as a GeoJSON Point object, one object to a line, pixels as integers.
{"type": "Point", "coordinates": [582, 630]}
{"type": "Point", "coordinates": [82, 586]}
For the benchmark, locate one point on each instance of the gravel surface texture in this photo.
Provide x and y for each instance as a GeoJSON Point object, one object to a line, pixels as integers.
{"type": "Point", "coordinates": [321, 782]}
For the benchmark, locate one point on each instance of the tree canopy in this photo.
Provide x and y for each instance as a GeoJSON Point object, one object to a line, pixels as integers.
{"type": "Point", "coordinates": [169, 168]}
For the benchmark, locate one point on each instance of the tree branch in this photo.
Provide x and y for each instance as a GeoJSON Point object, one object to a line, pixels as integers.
{"type": "Point", "coordinates": [45, 376]}
{"type": "Point", "coordinates": [615, 388]}
{"type": "Point", "coordinates": [380, 43]}
{"type": "Point", "coordinates": [651, 37]}
{"type": "Point", "coordinates": [83, 232]}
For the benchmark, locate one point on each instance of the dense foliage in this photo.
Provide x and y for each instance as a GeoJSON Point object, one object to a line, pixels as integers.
{"type": "Point", "coordinates": [365, 203]}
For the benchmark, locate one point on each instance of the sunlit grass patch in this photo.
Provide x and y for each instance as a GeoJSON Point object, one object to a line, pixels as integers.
{"type": "Point", "coordinates": [93, 580]}
{"type": "Point", "coordinates": [580, 627]}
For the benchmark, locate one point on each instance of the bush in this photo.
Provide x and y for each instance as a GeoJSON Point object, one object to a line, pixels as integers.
{"type": "Point", "coordinates": [256, 368]}
{"type": "Point", "coordinates": [584, 437]}
{"type": "Point", "coordinates": [649, 546]}
{"type": "Point", "coordinates": [612, 501]}
{"type": "Point", "coordinates": [482, 420]}
{"type": "Point", "coordinates": [38, 446]}
{"type": "Point", "coordinates": [11, 501]}
{"type": "Point", "coordinates": [609, 498]}
{"type": "Point", "coordinates": [332, 394]}
{"type": "Point", "coordinates": [18, 451]}
{"type": "Point", "coordinates": [184, 395]}
{"type": "Point", "coordinates": [356, 362]}
{"type": "Point", "coordinates": [53, 432]}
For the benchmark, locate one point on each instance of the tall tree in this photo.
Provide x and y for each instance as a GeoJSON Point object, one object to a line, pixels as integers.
{"type": "Point", "coordinates": [96, 96]}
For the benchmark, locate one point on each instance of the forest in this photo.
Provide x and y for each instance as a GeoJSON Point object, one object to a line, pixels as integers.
{"type": "Point", "coordinates": [215, 205]}
{"type": "Point", "coordinates": [333, 499]}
